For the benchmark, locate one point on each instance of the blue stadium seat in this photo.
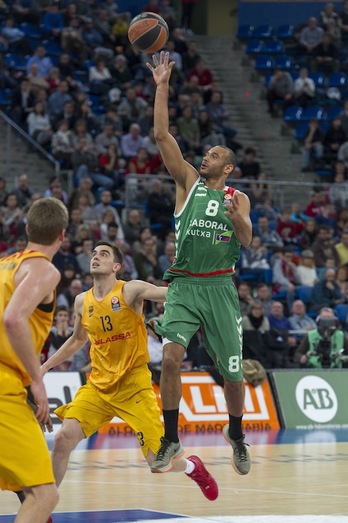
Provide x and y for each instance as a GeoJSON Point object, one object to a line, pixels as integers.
{"type": "Point", "coordinates": [304, 293]}
{"type": "Point", "coordinates": [254, 47]}
{"type": "Point", "coordinates": [264, 63]}
{"type": "Point", "coordinates": [52, 47]}
{"type": "Point", "coordinates": [312, 111]}
{"type": "Point", "coordinates": [333, 111]}
{"type": "Point", "coordinates": [285, 63]}
{"type": "Point", "coordinates": [293, 114]}
{"type": "Point", "coordinates": [274, 47]}
{"type": "Point", "coordinates": [301, 131]}
{"type": "Point", "coordinates": [16, 61]}
{"type": "Point", "coordinates": [341, 312]}
{"type": "Point", "coordinates": [32, 31]}
{"type": "Point", "coordinates": [245, 32]}
{"type": "Point", "coordinates": [284, 32]}
{"type": "Point", "coordinates": [339, 80]}
{"type": "Point", "coordinates": [5, 98]}
{"type": "Point", "coordinates": [318, 78]}
{"type": "Point", "coordinates": [263, 31]}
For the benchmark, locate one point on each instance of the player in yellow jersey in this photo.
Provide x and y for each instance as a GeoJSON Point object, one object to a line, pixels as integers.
{"type": "Point", "coordinates": [27, 302]}
{"type": "Point", "coordinates": [111, 316]}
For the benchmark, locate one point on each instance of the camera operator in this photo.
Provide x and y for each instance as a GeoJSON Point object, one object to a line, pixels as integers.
{"type": "Point", "coordinates": [324, 347]}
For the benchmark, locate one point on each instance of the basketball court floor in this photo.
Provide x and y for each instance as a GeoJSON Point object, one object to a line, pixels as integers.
{"type": "Point", "coordinates": [296, 477]}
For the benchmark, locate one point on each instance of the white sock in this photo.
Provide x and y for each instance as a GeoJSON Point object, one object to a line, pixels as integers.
{"type": "Point", "coordinates": [190, 466]}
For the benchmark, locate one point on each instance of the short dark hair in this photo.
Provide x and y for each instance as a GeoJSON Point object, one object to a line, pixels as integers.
{"type": "Point", "coordinates": [118, 255]}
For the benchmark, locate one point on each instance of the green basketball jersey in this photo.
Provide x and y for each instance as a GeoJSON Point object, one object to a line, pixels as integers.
{"type": "Point", "coordinates": [205, 241]}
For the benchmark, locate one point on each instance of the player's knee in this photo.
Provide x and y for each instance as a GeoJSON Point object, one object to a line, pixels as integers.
{"type": "Point", "coordinates": [171, 363]}
{"type": "Point", "coordinates": [64, 440]}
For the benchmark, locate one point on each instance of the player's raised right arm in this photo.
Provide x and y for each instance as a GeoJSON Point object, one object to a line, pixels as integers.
{"type": "Point", "coordinates": [183, 173]}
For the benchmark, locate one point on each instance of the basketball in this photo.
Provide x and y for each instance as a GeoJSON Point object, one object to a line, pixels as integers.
{"type": "Point", "coordinates": [148, 32]}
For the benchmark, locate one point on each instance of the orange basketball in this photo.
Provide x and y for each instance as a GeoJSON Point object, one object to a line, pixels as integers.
{"type": "Point", "coordinates": [148, 32]}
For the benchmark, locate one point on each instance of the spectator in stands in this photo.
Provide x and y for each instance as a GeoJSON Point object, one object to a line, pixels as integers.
{"type": "Point", "coordinates": [120, 72]}
{"type": "Point", "coordinates": [133, 226]}
{"type": "Point", "coordinates": [131, 107]}
{"type": "Point", "coordinates": [249, 166]}
{"type": "Point", "coordinates": [104, 139]}
{"type": "Point", "coordinates": [326, 292]}
{"type": "Point", "coordinates": [304, 88]}
{"type": "Point", "coordinates": [84, 161]}
{"type": "Point", "coordinates": [99, 78]}
{"type": "Point", "coordinates": [338, 192]}
{"type": "Point", "coordinates": [140, 163]}
{"type": "Point", "coordinates": [342, 154]}
{"type": "Point", "coordinates": [255, 326]}
{"type": "Point", "coordinates": [62, 143]}
{"type": "Point", "coordinates": [190, 57]}
{"type": "Point", "coordinates": [327, 217]}
{"type": "Point", "coordinates": [269, 237]}
{"type": "Point", "coordinates": [87, 211]}
{"type": "Point", "coordinates": [110, 164]}
{"type": "Point", "coordinates": [342, 280]}
{"type": "Point", "coordinates": [208, 134]}
{"type": "Point", "coordinates": [132, 141]}
{"type": "Point", "coordinates": [84, 187]}
{"type": "Point", "coordinates": [52, 22]}
{"type": "Point", "coordinates": [160, 206]}
{"type": "Point", "coordinates": [334, 137]}
{"type": "Point", "coordinates": [315, 206]}
{"type": "Point", "coordinates": [102, 23]}
{"type": "Point", "coordinates": [343, 23]}
{"type": "Point", "coordinates": [220, 117]}
{"type": "Point", "coordinates": [108, 228]}
{"type": "Point", "coordinates": [305, 271]}
{"type": "Point", "coordinates": [128, 271]}
{"type": "Point", "coordinates": [327, 15]}
{"type": "Point", "coordinates": [310, 36]}
{"type": "Point", "coordinates": [19, 245]}
{"type": "Point", "coordinates": [299, 320]}
{"type": "Point", "coordinates": [166, 259]}
{"type": "Point", "coordinates": [14, 38]}
{"type": "Point", "coordinates": [313, 147]}
{"type": "Point", "coordinates": [22, 102]}
{"type": "Point", "coordinates": [342, 249]}
{"type": "Point", "coordinates": [12, 213]}
{"type": "Point", "coordinates": [280, 89]}
{"type": "Point", "coordinates": [323, 247]}
{"type": "Point", "coordinates": [3, 191]}
{"type": "Point", "coordinates": [57, 100]}
{"type": "Point", "coordinates": [204, 75]}
{"type": "Point", "coordinates": [342, 220]}
{"type": "Point", "coordinates": [254, 259]}
{"type": "Point", "coordinates": [287, 229]}
{"type": "Point", "coordinates": [146, 261]}
{"type": "Point", "coordinates": [85, 256]}
{"type": "Point", "coordinates": [42, 61]}
{"type": "Point", "coordinates": [26, 11]}
{"type": "Point", "coordinates": [23, 191]}
{"type": "Point", "coordinates": [344, 117]}
{"type": "Point", "coordinates": [263, 296]}
{"type": "Point", "coordinates": [280, 342]}
{"type": "Point", "coordinates": [65, 257]}
{"type": "Point", "coordinates": [71, 40]}
{"type": "Point", "coordinates": [245, 297]}
{"type": "Point", "coordinates": [189, 130]}
{"type": "Point", "coordinates": [39, 125]}
{"type": "Point", "coordinates": [105, 204]}
{"type": "Point", "coordinates": [59, 333]}
{"type": "Point", "coordinates": [91, 37]}
{"type": "Point", "coordinates": [284, 276]}
{"type": "Point", "coordinates": [325, 56]}
{"type": "Point", "coordinates": [67, 298]}
{"type": "Point", "coordinates": [82, 233]}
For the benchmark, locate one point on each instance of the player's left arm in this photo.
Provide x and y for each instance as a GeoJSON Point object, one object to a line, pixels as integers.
{"type": "Point", "coordinates": [136, 291]}
{"type": "Point", "coordinates": [239, 213]}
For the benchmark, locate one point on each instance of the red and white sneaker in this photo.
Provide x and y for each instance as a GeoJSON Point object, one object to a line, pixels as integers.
{"type": "Point", "coordinates": [204, 479]}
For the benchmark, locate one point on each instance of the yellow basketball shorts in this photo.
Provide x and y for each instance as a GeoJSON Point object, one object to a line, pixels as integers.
{"type": "Point", "coordinates": [133, 400]}
{"type": "Point", "coordinates": [24, 456]}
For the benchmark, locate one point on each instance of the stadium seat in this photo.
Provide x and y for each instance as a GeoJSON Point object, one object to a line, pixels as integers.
{"type": "Point", "coordinates": [318, 79]}
{"type": "Point", "coordinates": [245, 32]}
{"type": "Point", "coordinates": [284, 32]}
{"type": "Point", "coordinates": [341, 312]}
{"type": "Point", "coordinates": [285, 63]}
{"type": "Point", "coordinates": [339, 80]}
{"type": "Point", "coordinates": [263, 31]}
{"type": "Point", "coordinates": [52, 47]}
{"type": "Point", "coordinates": [333, 111]}
{"type": "Point", "coordinates": [32, 31]}
{"type": "Point", "coordinates": [16, 61]}
{"type": "Point", "coordinates": [304, 293]}
{"type": "Point", "coordinates": [301, 131]}
{"type": "Point", "coordinates": [312, 111]}
{"type": "Point", "coordinates": [293, 114]}
{"type": "Point", "coordinates": [274, 47]}
{"type": "Point", "coordinates": [264, 63]}
{"type": "Point", "coordinates": [254, 47]}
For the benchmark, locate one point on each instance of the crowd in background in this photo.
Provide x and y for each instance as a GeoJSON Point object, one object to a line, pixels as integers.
{"type": "Point", "coordinates": [87, 96]}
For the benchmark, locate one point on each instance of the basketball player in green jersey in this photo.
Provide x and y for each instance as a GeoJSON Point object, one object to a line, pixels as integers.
{"type": "Point", "coordinates": [212, 221]}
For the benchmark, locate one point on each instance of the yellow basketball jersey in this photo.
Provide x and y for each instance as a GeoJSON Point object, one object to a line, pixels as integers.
{"type": "Point", "coordinates": [40, 321]}
{"type": "Point", "coordinates": [118, 337]}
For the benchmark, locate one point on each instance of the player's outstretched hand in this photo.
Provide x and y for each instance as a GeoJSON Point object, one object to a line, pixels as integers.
{"type": "Point", "coordinates": [162, 69]}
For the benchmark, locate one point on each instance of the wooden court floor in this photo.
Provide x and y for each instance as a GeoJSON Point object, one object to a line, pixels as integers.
{"type": "Point", "coordinates": [292, 475]}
